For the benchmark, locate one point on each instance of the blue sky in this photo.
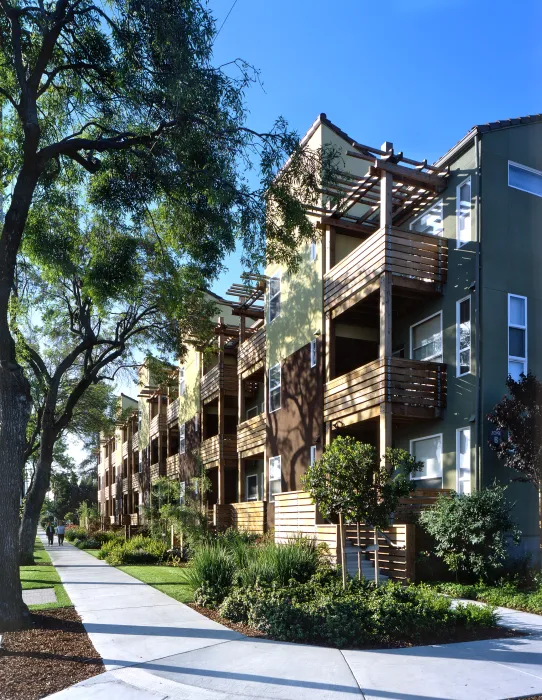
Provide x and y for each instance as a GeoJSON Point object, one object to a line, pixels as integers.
{"type": "Point", "coordinates": [419, 73]}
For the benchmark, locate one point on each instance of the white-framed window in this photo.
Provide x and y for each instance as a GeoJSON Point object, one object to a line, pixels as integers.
{"type": "Point", "coordinates": [426, 339]}
{"type": "Point", "coordinates": [520, 177]}
{"type": "Point", "coordinates": [429, 451]}
{"type": "Point", "coordinates": [314, 251]}
{"type": "Point", "coordinates": [274, 297]}
{"type": "Point", "coordinates": [463, 212]}
{"type": "Point", "coordinates": [517, 336]}
{"type": "Point", "coordinates": [252, 412]}
{"type": "Point", "coordinates": [313, 353]}
{"type": "Point", "coordinates": [463, 460]}
{"type": "Point", "coordinates": [463, 336]}
{"type": "Point", "coordinates": [274, 388]}
{"type": "Point", "coordinates": [182, 382]}
{"type": "Point", "coordinates": [313, 454]}
{"type": "Point", "coordinates": [182, 438]}
{"type": "Point", "coordinates": [431, 221]}
{"type": "Point", "coordinates": [252, 487]}
{"type": "Point", "coordinates": [275, 477]}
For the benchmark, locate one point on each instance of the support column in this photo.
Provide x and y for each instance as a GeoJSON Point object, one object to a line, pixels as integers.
{"type": "Point", "coordinates": [241, 480]}
{"type": "Point", "coordinates": [329, 328]}
{"type": "Point", "coordinates": [265, 451]}
{"type": "Point", "coordinates": [221, 410]}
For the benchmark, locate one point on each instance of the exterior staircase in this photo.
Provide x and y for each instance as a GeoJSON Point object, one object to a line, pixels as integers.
{"type": "Point", "coordinates": [367, 566]}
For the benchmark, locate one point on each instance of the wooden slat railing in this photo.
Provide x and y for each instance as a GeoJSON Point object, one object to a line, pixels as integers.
{"type": "Point", "coordinates": [136, 484]}
{"type": "Point", "coordinates": [135, 441]}
{"type": "Point", "coordinates": [396, 562]}
{"type": "Point", "coordinates": [406, 254]}
{"type": "Point", "coordinates": [158, 423]}
{"type": "Point", "coordinates": [218, 447]}
{"type": "Point", "coordinates": [403, 383]}
{"type": "Point", "coordinates": [249, 516]}
{"type": "Point", "coordinates": [251, 435]}
{"type": "Point", "coordinates": [173, 411]}
{"type": "Point", "coordinates": [125, 448]}
{"type": "Point", "coordinates": [251, 353]}
{"type": "Point", "coordinates": [134, 519]}
{"type": "Point", "coordinates": [156, 471]}
{"type": "Point", "coordinates": [172, 465]}
{"type": "Point", "coordinates": [216, 379]}
{"type": "Point", "coordinates": [410, 507]}
{"type": "Point", "coordinates": [125, 485]}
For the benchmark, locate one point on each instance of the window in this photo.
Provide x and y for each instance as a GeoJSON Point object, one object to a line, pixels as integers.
{"type": "Point", "coordinates": [252, 487]}
{"type": "Point", "coordinates": [196, 423]}
{"type": "Point", "coordinates": [140, 464]}
{"type": "Point", "coordinates": [463, 336]}
{"type": "Point", "coordinates": [463, 211]}
{"type": "Point", "coordinates": [313, 454]}
{"type": "Point", "coordinates": [251, 412]}
{"type": "Point", "coordinates": [426, 339]}
{"type": "Point", "coordinates": [274, 388]}
{"type": "Point", "coordinates": [314, 250]}
{"type": "Point", "coordinates": [517, 336]}
{"type": "Point", "coordinates": [274, 297]}
{"type": "Point", "coordinates": [182, 438]}
{"type": "Point", "coordinates": [429, 451]}
{"type": "Point", "coordinates": [182, 382]}
{"type": "Point", "coordinates": [182, 493]}
{"type": "Point", "coordinates": [526, 179]}
{"type": "Point", "coordinates": [275, 477]}
{"type": "Point", "coordinates": [463, 460]}
{"type": "Point", "coordinates": [431, 221]}
{"type": "Point", "coordinates": [313, 353]}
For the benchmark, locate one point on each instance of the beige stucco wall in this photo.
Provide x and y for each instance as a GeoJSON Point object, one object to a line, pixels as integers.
{"type": "Point", "coordinates": [189, 403]}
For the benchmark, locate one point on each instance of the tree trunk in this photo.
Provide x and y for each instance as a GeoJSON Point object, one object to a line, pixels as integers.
{"type": "Point", "coordinates": [36, 496]}
{"type": "Point", "coordinates": [15, 404]}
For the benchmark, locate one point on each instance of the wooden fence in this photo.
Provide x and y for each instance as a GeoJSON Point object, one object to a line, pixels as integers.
{"type": "Point", "coordinates": [250, 516]}
{"type": "Point", "coordinates": [396, 562]}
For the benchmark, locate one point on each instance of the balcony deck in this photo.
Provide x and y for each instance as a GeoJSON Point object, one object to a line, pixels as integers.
{"type": "Point", "coordinates": [158, 423]}
{"type": "Point", "coordinates": [251, 355]}
{"type": "Point", "coordinates": [251, 436]}
{"type": "Point", "coordinates": [172, 465]}
{"type": "Point", "coordinates": [125, 448]}
{"type": "Point", "coordinates": [173, 412]}
{"type": "Point", "coordinates": [415, 389]}
{"type": "Point", "coordinates": [416, 260]}
{"type": "Point", "coordinates": [218, 447]}
{"type": "Point", "coordinates": [217, 379]}
{"type": "Point", "coordinates": [156, 471]}
{"type": "Point", "coordinates": [135, 442]}
{"type": "Point", "coordinates": [125, 485]}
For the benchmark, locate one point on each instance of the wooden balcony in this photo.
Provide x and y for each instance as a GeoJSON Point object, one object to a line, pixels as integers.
{"type": "Point", "coordinates": [415, 389]}
{"type": "Point", "coordinates": [416, 260]}
{"type": "Point", "coordinates": [114, 490]}
{"type": "Point", "coordinates": [172, 465]}
{"type": "Point", "coordinates": [125, 485]}
{"type": "Point", "coordinates": [251, 435]}
{"type": "Point", "coordinates": [251, 355]}
{"type": "Point", "coordinates": [112, 519]}
{"type": "Point", "coordinates": [218, 379]}
{"type": "Point", "coordinates": [173, 411]}
{"type": "Point", "coordinates": [134, 519]}
{"type": "Point", "coordinates": [156, 472]}
{"type": "Point", "coordinates": [217, 448]}
{"type": "Point", "coordinates": [135, 442]}
{"type": "Point", "coordinates": [125, 448]}
{"type": "Point", "coordinates": [136, 482]}
{"type": "Point", "coordinates": [158, 423]}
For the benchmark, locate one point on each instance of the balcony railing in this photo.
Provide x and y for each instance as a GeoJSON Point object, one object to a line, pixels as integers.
{"type": "Point", "coordinates": [134, 519]}
{"type": "Point", "coordinates": [172, 465]}
{"type": "Point", "coordinates": [217, 379]}
{"type": "Point", "coordinates": [415, 389]}
{"type": "Point", "coordinates": [125, 485]}
{"type": "Point", "coordinates": [251, 353]}
{"type": "Point", "coordinates": [114, 490]}
{"type": "Point", "coordinates": [219, 447]}
{"type": "Point", "coordinates": [125, 448]}
{"type": "Point", "coordinates": [173, 411]}
{"type": "Point", "coordinates": [417, 260]}
{"type": "Point", "coordinates": [156, 471]}
{"type": "Point", "coordinates": [158, 423]}
{"type": "Point", "coordinates": [135, 441]}
{"type": "Point", "coordinates": [251, 435]}
{"type": "Point", "coordinates": [136, 483]}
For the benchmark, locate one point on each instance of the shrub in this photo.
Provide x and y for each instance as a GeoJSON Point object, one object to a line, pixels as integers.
{"type": "Point", "coordinates": [90, 543]}
{"type": "Point", "coordinates": [138, 550]}
{"type": "Point", "coordinates": [104, 536]}
{"type": "Point", "coordinates": [321, 611]}
{"type": "Point", "coordinates": [211, 574]}
{"type": "Point", "coordinates": [74, 532]}
{"type": "Point", "coordinates": [471, 532]}
{"type": "Point", "coordinates": [269, 563]}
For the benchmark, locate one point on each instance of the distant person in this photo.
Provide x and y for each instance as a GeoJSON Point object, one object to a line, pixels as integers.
{"type": "Point", "coordinates": [50, 532]}
{"type": "Point", "coordinates": [60, 530]}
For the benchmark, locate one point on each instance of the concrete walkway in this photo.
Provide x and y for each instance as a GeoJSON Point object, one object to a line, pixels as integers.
{"type": "Point", "coordinates": [156, 648]}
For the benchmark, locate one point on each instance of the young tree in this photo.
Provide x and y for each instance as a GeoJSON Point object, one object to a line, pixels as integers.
{"type": "Point", "coordinates": [118, 105]}
{"type": "Point", "coordinates": [349, 481]}
{"type": "Point", "coordinates": [519, 417]}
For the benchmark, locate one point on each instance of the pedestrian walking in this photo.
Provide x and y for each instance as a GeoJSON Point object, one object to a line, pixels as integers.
{"type": "Point", "coordinates": [50, 532]}
{"type": "Point", "coordinates": [60, 530]}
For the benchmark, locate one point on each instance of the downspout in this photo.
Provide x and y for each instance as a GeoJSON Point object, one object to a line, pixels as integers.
{"type": "Point", "coordinates": [478, 402]}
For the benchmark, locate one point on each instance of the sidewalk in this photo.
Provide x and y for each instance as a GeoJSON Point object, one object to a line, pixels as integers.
{"type": "Point", "coordinates": [156, 648]}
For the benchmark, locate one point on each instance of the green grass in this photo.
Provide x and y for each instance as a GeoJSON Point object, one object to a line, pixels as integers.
{"type": "Point", "coordinates": [507, 596]}
{"type": "Point", "coordinates": [43, 574]}
{"type": "Point", "coordinates": [171, 580]}
{"type": "Point", "coordinates": [94, 552]}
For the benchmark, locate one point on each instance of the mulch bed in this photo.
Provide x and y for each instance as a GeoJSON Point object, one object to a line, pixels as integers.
{"type": "Point", "coordinates": [460, 636]}
{"type": "Point", "coordinates": [52, 654]}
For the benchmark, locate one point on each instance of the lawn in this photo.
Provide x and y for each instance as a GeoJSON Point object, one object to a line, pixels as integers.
{"type": "Point", "coordinates": [507, 596]}
{"type": "Point", "coordinates": [43, 574]}
{"type": "Point", "coordinates": [171, 580]}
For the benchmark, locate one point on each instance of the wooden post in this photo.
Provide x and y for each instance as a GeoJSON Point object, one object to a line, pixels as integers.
{"type": "Point", "coordinates": [377, 560]}
{"type": "Point", "coordinates": [343, 553]}
{"type": "Point", "coordinates": [329, 327]}
{"type": "Point", "coordinates": [221, 413]}
{"type": "Point", "coordinates": [172, 537]}
{"type": "Point", "coordinates": [359, 551]}
{"type": "Point", "coordinates": [265, 450]}
{"type": "Point", "coordinates": [241, 479]}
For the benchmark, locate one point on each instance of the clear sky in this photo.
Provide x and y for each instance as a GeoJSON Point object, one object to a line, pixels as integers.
{"type": "Point", "coordinates": [419, 73]}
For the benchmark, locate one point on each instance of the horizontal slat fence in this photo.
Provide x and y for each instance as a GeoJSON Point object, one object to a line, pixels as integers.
{"type": "Point", "coordinates": [251, 353]}
{"type": "Point", "coordinates": [421, 499]}
{"type": "Point", "coordinates": [249, 516]}
{"type": "Point", "coordinates": [398, 564]}
{"type": "Point", "coordinates": [216, 379]}
{"type": "Point", "coordinates": [251, 434]}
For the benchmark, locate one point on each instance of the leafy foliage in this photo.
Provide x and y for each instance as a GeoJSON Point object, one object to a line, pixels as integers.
{"type": "Point", "coordinates": [211, 574]}
{"type": "Point", "coordinates": [320, 611]}
{"type": "Point", "coordinates": [506, 594]}
{"type": "Point", "coordinates": [349, 479]}
{"type": "Point", "coordinates": [519, 416]}
{"type": "Point", "coordinates": [138, 550]}
{"type": "Point", "coordinates": [471, 532]}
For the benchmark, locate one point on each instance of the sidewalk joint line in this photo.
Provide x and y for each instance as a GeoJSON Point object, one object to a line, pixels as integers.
{"type": "Point", "coordinates": [352, 674]}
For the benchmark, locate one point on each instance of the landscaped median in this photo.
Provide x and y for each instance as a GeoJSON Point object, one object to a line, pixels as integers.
{"type": "Point", "coordinates": [54, 651]}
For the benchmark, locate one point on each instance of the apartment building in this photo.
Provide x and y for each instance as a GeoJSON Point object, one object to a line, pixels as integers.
{"type": "Point", "coordinates": [408, 311]}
